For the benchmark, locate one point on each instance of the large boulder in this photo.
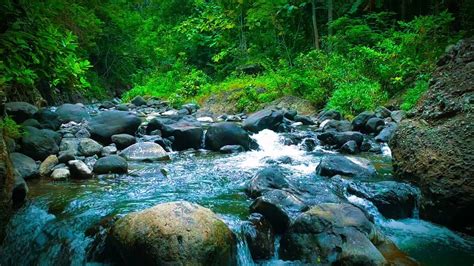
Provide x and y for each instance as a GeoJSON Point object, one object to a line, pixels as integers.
{"type": "Point", "coordinates": [346, 166]}
{"type": "Point", "coordinates": [24, 166]}
{"type": "Point", "coordinates": [145, 151]}
{"type": "Point", "coordinates": [333, 234]}
{"type": "Point", "coordinates": [38, 143]}
{"type": "Point", "coordinates": [435, 149]}
{"type": "Point", "coordinates": [264, 119]}
{"type": "Point", "coordinates": [387, 133]}
{"type": "Point", "coordinates": [394, 200]}
{"type": "Point", "coordinates": [109, 123]}
{"type": "Point", "coordinates": [328, 114]}
{"type": "Point", "coordinates": [20, 111]}
{"type": "Point", "coordinates": [226, 133]}
{"type": "Point", "coordinates": [174, 233]}
{"type": "Point", "coordinates": [112, 164]}
{"type": "Point", "coordinates": [72, 112]}
{"type": "Point", "coordinates": [337, 125]}
{"type": "Point", "coordinates": [46, 167]}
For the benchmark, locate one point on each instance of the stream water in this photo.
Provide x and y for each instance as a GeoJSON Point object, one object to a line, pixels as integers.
{"type": "Point", "coordinates": [50, 228]}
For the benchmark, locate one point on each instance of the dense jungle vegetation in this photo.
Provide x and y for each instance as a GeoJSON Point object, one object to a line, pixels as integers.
{"type": "Point", "coordinates": [350, 55]}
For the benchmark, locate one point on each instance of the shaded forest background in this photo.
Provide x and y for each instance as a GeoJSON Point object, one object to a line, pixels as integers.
{"type": "Point", "coordinates": [350, 55]}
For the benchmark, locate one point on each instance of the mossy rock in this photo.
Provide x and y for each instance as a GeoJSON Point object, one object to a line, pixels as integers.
{"type": "Point", "coordinates": [174, 233]}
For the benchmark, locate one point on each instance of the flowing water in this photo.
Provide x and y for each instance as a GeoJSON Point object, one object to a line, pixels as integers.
{"type": "Point", "coordinates": [50, 228]}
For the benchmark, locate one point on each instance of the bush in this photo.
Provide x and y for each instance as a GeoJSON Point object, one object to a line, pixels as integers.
{"type": "Point", "coordinates": [10, 128]}
{"type": "Point", "coordinates": [353, 98]}
{"type": "Point", "coordinates": [411, 97]}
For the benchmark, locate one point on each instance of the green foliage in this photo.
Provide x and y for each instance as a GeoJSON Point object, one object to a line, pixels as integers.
{"type": "Point", "coordinates": [412, 95]}
{"type": "Point", "coordinates": [10, 128]}
{"type": "Point", "coordinates": [353, 98]}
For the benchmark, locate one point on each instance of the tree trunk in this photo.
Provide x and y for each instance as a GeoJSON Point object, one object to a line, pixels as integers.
{"type": "Point", "coordinates": [315, 25]}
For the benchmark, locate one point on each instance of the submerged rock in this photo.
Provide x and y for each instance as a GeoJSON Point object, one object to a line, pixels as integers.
{"type": "Point", "coordinates": [174, 233]}
{"type": "Point", "coordinates": [145, 151]}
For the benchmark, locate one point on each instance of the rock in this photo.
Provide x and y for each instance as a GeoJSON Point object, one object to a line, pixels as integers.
{"type": "Point", "coordinates": [72, 112]}
{"type": "Point", "coordinates": [228, 149]}
{"type": "Point", "coordinates": [398, 116]}
{"type": "Point", "coordinates": [290, 114]}
{"type": "Point", "coordinates": [112, 164]}
{"type": "Point", "coordinates": [122, 141]}
{"type": "Point", "coordinates": [185, 130]}
{"type": "Point", "coordinates": [306, 120]}
{"type": "Point", "coordinates": [46, 167]}
{"type": "Point", "coordinates": [346, 166]}
{"type": "Point", "coordinates": [226, 133]}
{"type": "Point", "coordinates": [90, 161]}
{"type": "Point", "coordinates": [20, 111]}
{"type": "Point", "coordinates": [145, 151]}
{"type": "Point", "coordinates": [340, 138]}
{"type": "Point", "coordinates": [82, 133]}
{"type": "Point", "coordinates": [394, 200]}
{"type": "Point", "coordinates": [107, 105]}
{"type": "Point", "coordinates": [205, 119]}
{"type": "Point", "coordinates": [19, 191]}
{"type": "Point", "coordinates": [382, 112]}
{"type": "Point", "coordinates": [434, 149]}
{"type": "Point", "coordinates": [260, 238]}
{"type": "Point", "coordinates": [109, 123]}
{"type": "Point", "coordinates": [337, 125]}
{"type": "Point", "coordinates": [48, 119]}
{"type": "Point", "coordinates": [31, 123]}
{"type": "Point", "coordinates": [358, 123]}
{"type": "Point", "coordinates": [265, 180]}
{"type": "Point", "coordinates": [122, 107]}
{"type": "Point", "coordinates": [186, 136]}
{"type": "Point", "coordinates": [138, 101]}
{"type": "Point", "coordinates": [328, 114]}
{"type": "Point", "coordinates": [264, 119]}
{"type": "Point", "coordinates": [89, 147]}
{"type": "Point", "coordinates": [190, 107]}
{"type": "Point", "coordinates": [387, 133]}
{"type": "Point", "coordinates": [61, 174]}
{"type": "Point", "coordinates": [108, 150]}
{"type": "Point", "coordinates": [70, 144]}
{"type": "Point", "coordinates": [24, 166]}
{"type": "Point", "coordinates": [279, 208]}
{"type": "Point", "coordinates": [374, 125]}
{"type": "Point", "coordinates": [174, 233]}
{"type": "Point", "coordinates": [332, 234]}
{"type": "Point", "coordinates": [66, 156]}
{"type": "Point", "coordinates": [79, 170]}
{"type": "Point", "coordinates": [38, 144]}
{"type": "Point", "coordinates": [350, 147]}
